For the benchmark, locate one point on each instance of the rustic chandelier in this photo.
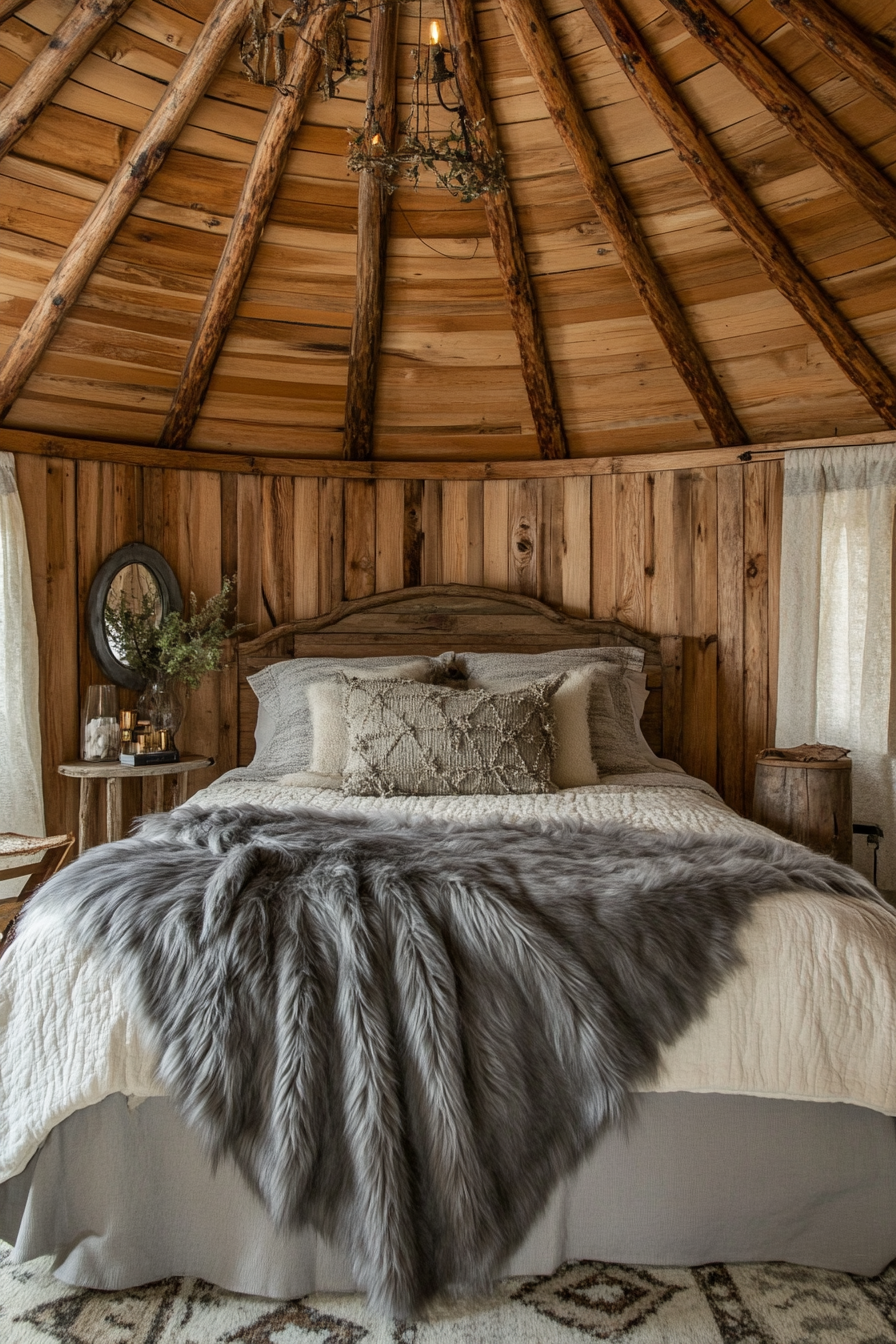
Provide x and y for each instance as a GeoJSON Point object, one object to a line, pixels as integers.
{"type": "Point", "coordinates": [263, 44]}
{"type": "Point", "coordinates": [437, 135]}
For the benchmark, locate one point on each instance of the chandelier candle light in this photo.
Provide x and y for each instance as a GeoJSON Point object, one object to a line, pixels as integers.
{"type": "Point", "coordinates": [455, 154]}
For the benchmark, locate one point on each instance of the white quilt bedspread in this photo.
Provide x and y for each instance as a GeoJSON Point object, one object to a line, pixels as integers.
{"type": "Point", "coordinates": [810, 1016]}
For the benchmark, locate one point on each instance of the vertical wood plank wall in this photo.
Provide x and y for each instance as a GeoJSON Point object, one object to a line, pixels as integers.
{"type": "Point", "coordinates": [691, 552]}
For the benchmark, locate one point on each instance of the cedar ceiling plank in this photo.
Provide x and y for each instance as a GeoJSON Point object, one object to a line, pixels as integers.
{"type": "Point", "coordinates": [532, 30]}
{"type": "Point", "coordinates": [73, 40]}
{"type": "Point", "coordinates": [791, 105]}
{"type": "Point", "coordinates": [257, 197]}
{"type": "Point", "coordinates": [506, 241]}
{"type": "Point", "coordinates": [170, 116]}
{"type": "Point", "coordinates": [733, 202]}
{"type": "Point", "coordinates": [373, 238]}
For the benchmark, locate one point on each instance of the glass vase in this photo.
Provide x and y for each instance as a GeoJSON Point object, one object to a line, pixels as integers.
{"type": "Point", "coordinates": [100, 735]}
{"type": "Point", "coordinates": [161, 706]}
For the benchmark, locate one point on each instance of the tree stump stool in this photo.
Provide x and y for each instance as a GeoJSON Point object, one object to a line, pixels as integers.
{"type": "Point", "coordinates": [807, 801]}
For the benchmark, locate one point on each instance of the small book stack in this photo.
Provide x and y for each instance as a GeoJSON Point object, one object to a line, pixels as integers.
{"type": "Point", "coordinates": [141, 744]}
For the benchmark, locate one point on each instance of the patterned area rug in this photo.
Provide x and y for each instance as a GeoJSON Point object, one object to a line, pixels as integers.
{"type": "Point", "coordinates": [583, 1301]}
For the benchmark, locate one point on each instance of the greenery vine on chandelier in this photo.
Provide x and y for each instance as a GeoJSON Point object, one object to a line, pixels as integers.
{"type": "Point", "coordinates": [455, 155]}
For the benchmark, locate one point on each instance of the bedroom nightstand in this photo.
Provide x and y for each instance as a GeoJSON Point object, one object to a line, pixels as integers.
{"type": "Point", "coordinates": [91, 772]}
{"type": "Point", "coordinates": [807, 801]}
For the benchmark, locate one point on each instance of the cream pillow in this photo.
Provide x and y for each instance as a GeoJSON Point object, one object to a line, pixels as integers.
{"type": "Point", "coordinates": [329, 728]}
{"type": "Point", "coordinates": [573, 765]}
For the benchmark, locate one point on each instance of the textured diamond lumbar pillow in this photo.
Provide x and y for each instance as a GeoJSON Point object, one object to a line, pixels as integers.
{"type": "Point", "coordinates": [408, 738]}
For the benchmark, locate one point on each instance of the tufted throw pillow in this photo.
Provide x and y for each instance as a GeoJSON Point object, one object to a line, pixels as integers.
{"type": "Point", "coordinates": [407, 738]}
{"type": "Point", "coordinates": [329, 729]}
{"type": "Point", "coordinates": [573, 766]}
{"type": "Point", "coordinates": [595, 726]}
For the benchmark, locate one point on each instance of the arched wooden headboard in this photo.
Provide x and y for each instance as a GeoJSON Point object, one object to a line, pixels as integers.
{"type": "Point", "coordinates": [442, 617]}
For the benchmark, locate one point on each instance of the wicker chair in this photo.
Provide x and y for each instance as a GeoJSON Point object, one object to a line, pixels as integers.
{"type": "Point", "coordinates": [47, 853]}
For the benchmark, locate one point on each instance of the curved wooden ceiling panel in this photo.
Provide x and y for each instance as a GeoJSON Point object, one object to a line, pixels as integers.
{"type": "Point", "coordinates": [795, 342]}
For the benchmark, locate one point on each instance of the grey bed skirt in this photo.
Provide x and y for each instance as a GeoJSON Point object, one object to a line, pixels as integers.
{"type": "Point", "coordinates": [122, 1197]}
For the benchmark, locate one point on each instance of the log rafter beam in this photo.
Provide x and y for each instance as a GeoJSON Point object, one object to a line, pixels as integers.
{"type": "Point", "coordinates": [531, 28]}
{"type": "Point", "coordinates": [730, 198]}
{"type": "Point", "coordinates": [373, 240]}
{"type": "Point", "coordinates": [790, 105]}
{"type": "Point", "coordinates": [10, 7]}
{"type": "Point", "coordinates": [507, 243]}
{"type": "Point", "coordinates": [257, 196]}
{"type": "Point", "coordinates": [96, 233]}
{"type": "Point", "coordinates": [75, 37]}
{"type": "Point", "coordinates": [867, 60]}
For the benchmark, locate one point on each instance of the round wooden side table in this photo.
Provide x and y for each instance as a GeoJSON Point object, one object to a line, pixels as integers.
{"type": "Point", "coordinates": [807, 801]}
{"type": "Point", "coordinates": [91, 772]}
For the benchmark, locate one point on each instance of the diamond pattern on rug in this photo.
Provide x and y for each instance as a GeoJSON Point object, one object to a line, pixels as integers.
{"type": "Point", "coordinates": [269, 1329]}
{"type": "Point", "coordinates": [581, 1301]}
{"type": "Point", "coordinates": [134, 1316]}
{"type": "Point", "coordinates": [600, 1300]}
{"type": "Point", "coordinates": [796, 1305]}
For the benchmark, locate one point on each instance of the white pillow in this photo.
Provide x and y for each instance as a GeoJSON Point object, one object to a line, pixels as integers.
{"type": "Point", "coordinates": [329, 727]}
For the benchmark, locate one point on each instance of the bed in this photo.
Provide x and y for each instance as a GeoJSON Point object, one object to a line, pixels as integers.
{"type": "Point", "coordinates": [767, 1134]}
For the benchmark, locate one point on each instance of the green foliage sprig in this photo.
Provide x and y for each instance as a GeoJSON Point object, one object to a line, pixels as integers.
{"type": "Point", "coordinates": [183, 648]}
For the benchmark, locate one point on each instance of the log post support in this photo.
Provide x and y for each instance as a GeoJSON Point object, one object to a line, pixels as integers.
{"type": "Point", "coordinates": [507, 244]}
{"type": "Point", "coordinates": [531, 28]}
{"type": "Point", "coordinates": [96, 233]}
{"type": "Point", "coordinates": [790, 105]}
{"type": "Point", "coordinates": [257, 197]}
{"type": "Point", "coordinates": [733, 202]}
{"type": "Point", "coordinates": [73, 40]}
{"type": "Point", "coordinates": [373, 239]}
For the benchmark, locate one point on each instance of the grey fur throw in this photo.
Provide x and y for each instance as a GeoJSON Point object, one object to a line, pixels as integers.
{"type": "Point", "coordinates": [405, 1032]}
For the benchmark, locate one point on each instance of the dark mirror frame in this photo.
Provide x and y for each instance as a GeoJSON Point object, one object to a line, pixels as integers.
{"type": "Point", "coordinates": [135, 553]}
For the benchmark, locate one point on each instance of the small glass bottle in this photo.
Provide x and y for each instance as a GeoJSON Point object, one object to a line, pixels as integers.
{"type": "Point", "coordinates": [100, 733]}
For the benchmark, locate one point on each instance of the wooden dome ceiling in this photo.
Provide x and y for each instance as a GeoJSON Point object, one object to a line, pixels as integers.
{"type": "Point", "coordinates": [697, 246]}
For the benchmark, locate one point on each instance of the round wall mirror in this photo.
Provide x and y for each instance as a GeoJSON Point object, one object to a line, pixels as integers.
{"type": "Point", "coordinates": [134, 574]}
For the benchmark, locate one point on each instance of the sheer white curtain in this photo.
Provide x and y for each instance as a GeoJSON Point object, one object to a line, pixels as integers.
{"type": "Point", "coordinates": [21, 794]}
{"type": "Point", "coordinates": [836, 646]}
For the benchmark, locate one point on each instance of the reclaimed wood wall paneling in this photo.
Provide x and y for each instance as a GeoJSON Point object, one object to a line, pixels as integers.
{"type": "Point", "coordinates": [690, 554]}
